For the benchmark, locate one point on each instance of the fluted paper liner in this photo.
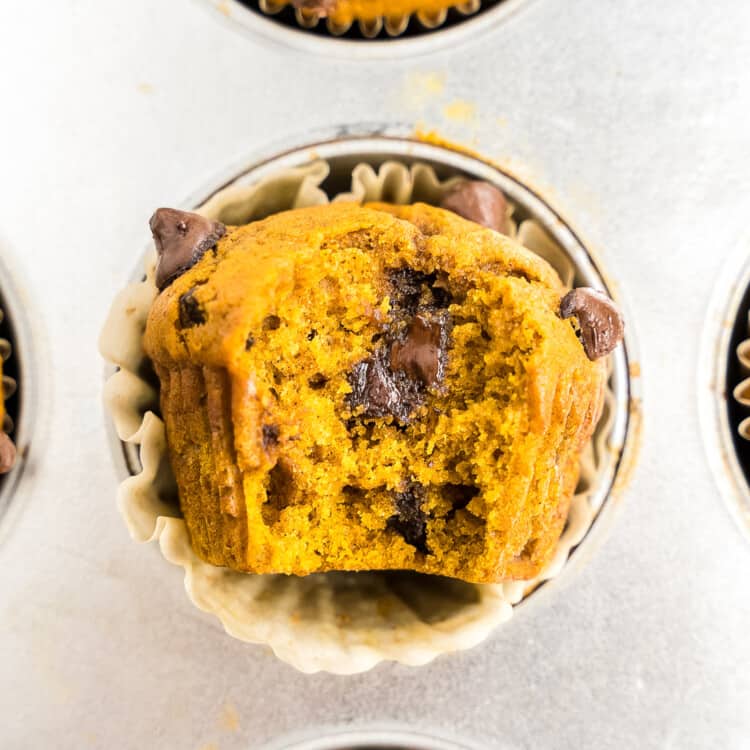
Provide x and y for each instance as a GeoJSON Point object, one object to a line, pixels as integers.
{"type": "Point", "coordinates": [394, 25]}
{"type": "Point", "coordinates": [8, 385]}
{"type": "Point", "coordinates": [741, 391]}
{"type": "Point", "coordinates": [337, 622]}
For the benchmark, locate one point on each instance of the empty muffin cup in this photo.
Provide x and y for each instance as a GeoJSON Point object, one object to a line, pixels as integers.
{"type": "Point", "coordinates": [724, 380]}
{"type": "Point", "coordinates": [340, 621]}
{"type": "Point", "coordinates": [17, 390]}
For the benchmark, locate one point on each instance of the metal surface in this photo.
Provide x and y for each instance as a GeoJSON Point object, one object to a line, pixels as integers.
{"type": "Point", "coordinates": [344, 147]}
{"type": "Point", "coordinates": [269, 28]}
{"type": "Point", "coordinates": [630, 117]}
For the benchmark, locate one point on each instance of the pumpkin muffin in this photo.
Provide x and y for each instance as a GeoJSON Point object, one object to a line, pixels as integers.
{"type": "Point", "coordinates": [343, 13]}
{"type": "Point", "coordinates": [369, 388]}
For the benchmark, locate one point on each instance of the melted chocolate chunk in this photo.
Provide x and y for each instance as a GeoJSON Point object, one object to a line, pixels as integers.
{"type": "Point", "coordinates": [410, 359]}
{"type": "Point", "coordinates": [382, 392]}
{"type": "Point", "coordinates": [601, 324]}
{"type": "Point", "coordinates": [421, 354]}
{"type": "Point", "coordinates": [271, 323]}
{"type": "Point", "coordinates": [191, 313]}
{"type": "Point", "coordinates": [413, 290]}
{"type": "Point", "coordinates": [249, 342]}
{"type": "Point", "coordinates": [319, 8]}
{"type": "Point", "coordinates": [479, 202]}
{"type": "Point", "coordinates": [7, 453]}
{"type": "Point", "coordinates": [270, 435]}
{"type": "Point", "coordinates": [409, 520]}
{"type": "Point", "coordinates": [181, 239]}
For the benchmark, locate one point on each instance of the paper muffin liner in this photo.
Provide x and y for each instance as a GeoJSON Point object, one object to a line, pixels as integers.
{"type": "Point", "coordinates": [9, 385]}
{"type": "Point", "coordinates": [741, 392]}
{"type": "Point", "coordinates": [337, 622]}
{"type": "Point", "coordinates": [392, 25]}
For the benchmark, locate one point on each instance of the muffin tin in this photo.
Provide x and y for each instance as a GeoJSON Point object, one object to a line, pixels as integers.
{"type": "Point", "coordinates": [379, 40]}
{"type": "Point", "coordinates": [342, 150]}
{"type": "Point", "coordinates": [100, 647]}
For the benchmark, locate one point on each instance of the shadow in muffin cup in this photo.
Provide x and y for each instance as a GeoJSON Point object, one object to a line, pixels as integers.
{"type": "Point", "coordinates": [348, 622]}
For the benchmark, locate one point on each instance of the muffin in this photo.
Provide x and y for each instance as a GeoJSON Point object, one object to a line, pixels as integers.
{"type": "Point", "coordinates": [343, 12]}
{"type": "Point", "coordinates": [371, 16]}
{"type": "Point", "coordinates": [376, 387]}
{"type": "Point", "coordinates": [348, 622]}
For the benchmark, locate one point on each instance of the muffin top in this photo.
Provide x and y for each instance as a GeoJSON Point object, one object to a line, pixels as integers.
{"type": "Point", "coordinates": [275, 258]}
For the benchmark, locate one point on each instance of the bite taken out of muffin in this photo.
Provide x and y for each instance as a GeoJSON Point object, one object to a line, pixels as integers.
{"type": "Point", "coordinates": [374, 387]}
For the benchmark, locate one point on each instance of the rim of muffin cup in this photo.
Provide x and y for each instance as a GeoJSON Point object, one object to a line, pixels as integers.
{"type": "Point", "coordinates": [344, 147]}
{"type": "Point", "coordinates": [368, 738]}
{"type": "Point", "coordinates": [724, 384]}
{"type": "Point", "coordinates": [379, 40]}
{"type": "Point", "coordinates": [19, 381]}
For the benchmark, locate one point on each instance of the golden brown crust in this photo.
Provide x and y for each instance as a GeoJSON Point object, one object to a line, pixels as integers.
{"type": "Point", "coordinates": [277, 474]}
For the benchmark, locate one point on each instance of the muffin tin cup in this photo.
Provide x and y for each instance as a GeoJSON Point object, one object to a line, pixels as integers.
{"type": "Point", "coordinates": [20, 386]}
{"type": "Point", "coordinates": [416, 633]}
{"type": "Point", "coordinates": [383, 39]}
{"type": "Point", "coordinates": [375, 738]}
{"type": "Point", "coordinates": [721, 347]}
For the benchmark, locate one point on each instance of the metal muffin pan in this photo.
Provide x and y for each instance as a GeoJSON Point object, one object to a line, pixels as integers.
{"type": "Point", "coordinates": [283, 28]}
{"type": "Point", "coordinates": [347, 146]}
{"type": "Point", "coordinates": [718, 374]}
{"type": "Point", "coordinates": [634, 120]}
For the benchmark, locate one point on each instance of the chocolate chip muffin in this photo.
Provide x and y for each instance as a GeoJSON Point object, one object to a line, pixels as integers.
{"type": "Point", "coordinates": [369, 388]}
{"type": "Point", "coordinates": [345, 12]}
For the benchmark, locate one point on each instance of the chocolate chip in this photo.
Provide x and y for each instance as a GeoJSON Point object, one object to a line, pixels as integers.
{"type": "Point", "coordinates": [271, 323]}
{"type": "Point", "coordinates": [421, 354]}
{"type": "Point", "coordinates": [318, 8]}
{"type": "Point", "coordinates": [317, 381]}
{"type": "Point", "coordinates": [412, 350]}
{"type": "Point", "coordinates": [191, 313]}
{"type": "Point", "coordinates": [412, 290]}
{"type": "Point", "coordinates": [249, 341]}
{"type": "Point", "coordinates": [181, 240]}
{"type": "Point", "coordinates": [480, 202]}
{"type": "Point", "coordinates": [375, 387]}
{"type": "Point", "coordinates": [601, 325]}
{"type": "Point", "coordinates": [7, 453]}
{"type": "Point", "coordinates": [312, 334]}
{"type": "Point", "coordinates": [270, 435]}
{"type": "Point", "coordinates": [409, 520]}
